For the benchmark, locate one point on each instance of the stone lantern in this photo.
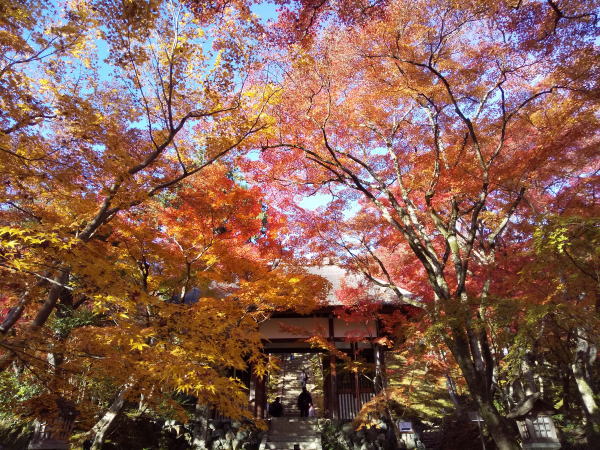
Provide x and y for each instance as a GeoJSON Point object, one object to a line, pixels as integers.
{"type": "Point", "coordinates": [410, 433]}
{"type": "Point", "coordinates": [533, 416]}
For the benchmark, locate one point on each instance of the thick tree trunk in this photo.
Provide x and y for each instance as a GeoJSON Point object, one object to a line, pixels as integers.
{"type": "Point", "coordinates": [480, 389]}
{"type": "Point", "coordinates": [527, 375]}
{"type": "Point", "coordinates": [99, 430]}
{"type": "Point", "coordinates": [451, 388]}
{"type": "Point", "coordinates": [53, 295]}
{"type": "Point", "coordinates": [585, 356]}
{"type": "Point", "coordinates": [501, 433]}
{"type": "Point", "coordinates": [584, 387]}
{"type": "Point", "coordinates": [390, 417]}
{"type": "Point", "coordinates": [44, 312]}
{"type": "Point", "coordinates": [566, 391]}
{"type": "Point", "coordinates": [200, 427]}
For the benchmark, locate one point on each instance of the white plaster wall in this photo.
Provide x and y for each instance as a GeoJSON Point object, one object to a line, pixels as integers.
{"type": "Point", "coordinates": [352, 329]}
{"type": "Point", "coordinates": [308, 326]}
{"type": "Point", "coordinates": [275, 328]}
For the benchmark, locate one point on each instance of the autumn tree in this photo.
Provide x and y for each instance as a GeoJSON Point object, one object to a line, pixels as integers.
{"type": "Point", "coordinates": [198, 279]}
{"type": "Point", "coordinates": [109, 111]}
{"type": "Point", "coordinates": [186, 281]}
{"type": "Point", "coordinates": [445, 124]}
{"type": "Point", "coordinates": [104, 106]}
{"type": "Point", "coordinates": [560, 280]}
{"type": "Point", "coordinates": [413, 377]}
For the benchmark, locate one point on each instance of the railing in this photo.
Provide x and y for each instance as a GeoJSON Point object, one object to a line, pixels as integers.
{"type": "Point", "coordinates": [349, 405]}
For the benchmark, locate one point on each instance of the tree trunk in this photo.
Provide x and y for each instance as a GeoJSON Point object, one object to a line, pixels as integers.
{"type": "Point", "coordinates": [53, 295]}
{"type": "Point", "coordinates": [451, 389]}
{"type": "Point", "coordinates": [99, 430]}
{"type": "Point", "coordinates": [585, 355]}
{"type": "Point", "coordinates": [58, 283]}
{"type": "Point", "coordinates": [480, 390]}
{"type": "Point", "coordinates": [497, 426]}
{"type": "Point", "coordinates": [390, 417]}
{"type": "Point", "coordinates": [200, 427]}
{"type": "Point", "coordinates": [584, 388]}
{"type": "Point", "coordinates": [527, 376]}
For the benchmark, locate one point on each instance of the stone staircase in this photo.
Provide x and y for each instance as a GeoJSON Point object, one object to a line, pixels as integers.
{"type": "Point", "coordinates": [291, 433]}
{"type": "Point", "coordinates": [287, 384]}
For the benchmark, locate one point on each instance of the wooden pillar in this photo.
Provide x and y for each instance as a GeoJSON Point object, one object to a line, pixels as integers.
{"type": "Point", "coordinates": [379, 356]}
{"type": "Point", "coordinates": [333, 396]}
{"type": "Point", "coordinates": [252, 393]}
{"type": "Point", "coordinates": [333, 403]}
{"type": "Point", "coordinates": [326, 385]}
{"type": "Point", "coordinates": [251, 390]}
{"type": "Point", "coordinates": [356, 380]}
{"type": "Point", "coordinates": [261, 397]}
{"type": "Point", "coordinates": [380, 375]}
{"type": "Point", "coordinates": [258, 396]}
{"type": "Point", "coordinates": [326, 380]}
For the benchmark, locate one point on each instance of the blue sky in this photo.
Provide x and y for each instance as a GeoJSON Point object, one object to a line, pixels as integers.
{"type": "Point", "coordinates": [265, 10]}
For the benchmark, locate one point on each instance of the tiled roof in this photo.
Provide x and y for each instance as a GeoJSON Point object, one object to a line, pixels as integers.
{"type": "Point", "coordinates": [337, 275]}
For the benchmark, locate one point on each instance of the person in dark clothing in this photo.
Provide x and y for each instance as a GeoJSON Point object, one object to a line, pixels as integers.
{"type": "Point", "coordinates": [304, 402]}
{"type": "Point", "coordinates": [303, 378]}
{"type": "Point", "coordinates": [276, 408]}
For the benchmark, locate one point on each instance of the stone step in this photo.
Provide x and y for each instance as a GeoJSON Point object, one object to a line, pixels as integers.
{"type": "Point", "coordinates": [277, 420]}
{"type": "Point", "coordinates": [292, 428]}
{"type": "Point", "coordinates": [298, 438]}
{"type": "Point", "coordinates": [292, 446]}
{"type": "Point", "coordinates": [283, 436]}
{"type": "Point", "coordinates": [292, 438]}
{"type": "Point", "coordinates": [292, 442]}
{"type": "Point", "coordinates": [296, 425]}
{"type": "Point", "coordinates": [290, 433]}
{"type": "Point", "coordinates": [285, 444]}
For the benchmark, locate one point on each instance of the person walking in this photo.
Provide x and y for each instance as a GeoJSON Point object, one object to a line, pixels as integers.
{"type": "Point", "coordinates": [304, 402]}
{"type": "Point", "coordinates": [303, 378]}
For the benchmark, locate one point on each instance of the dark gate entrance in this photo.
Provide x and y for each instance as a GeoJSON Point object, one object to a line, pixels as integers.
{"type": "Point", "coordinates": [297, 368]}
{"type": "Point", "coordinates": [337, 392]}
